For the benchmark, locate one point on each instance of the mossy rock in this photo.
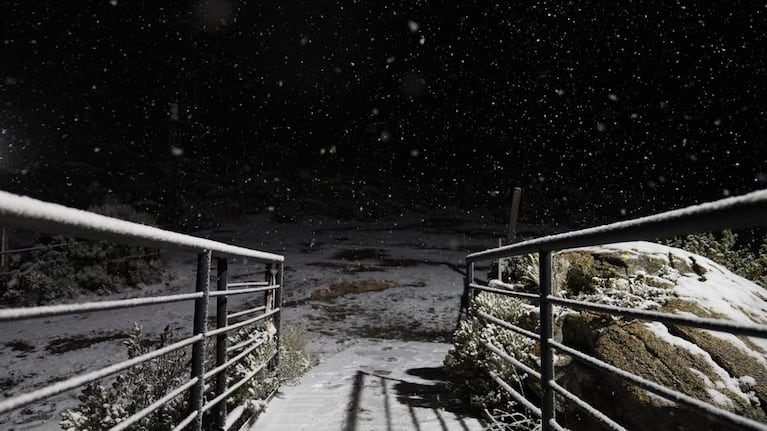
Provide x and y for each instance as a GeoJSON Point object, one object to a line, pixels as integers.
{"type": "Point", "coordinates": [634, 346]}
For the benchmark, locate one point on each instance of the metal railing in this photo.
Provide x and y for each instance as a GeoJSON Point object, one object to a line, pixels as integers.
{"type": "Point", "coordinates": [738, 212]}
{"type": "Point", "coordinates": [26, 213]}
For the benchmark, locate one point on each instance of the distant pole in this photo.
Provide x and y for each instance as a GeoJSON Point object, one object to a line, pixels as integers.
{"type": "Point", "coordinates": [515, 198]}
{"type": "Point", "coordinates": [3, 249]}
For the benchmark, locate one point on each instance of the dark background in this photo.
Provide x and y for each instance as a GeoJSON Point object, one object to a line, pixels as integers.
{"type": "Point", "coordinates": [599, 110]}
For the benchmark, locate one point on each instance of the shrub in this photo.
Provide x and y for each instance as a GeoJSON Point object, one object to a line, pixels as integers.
{"type": "Point", "coordinates": [103, 407]}
{"type": "Point", "coordinates": [73, 267]}
{"type": "Point", "coordinates": [726, 249]}
{"type": "Point", "coordinates": [295, 360]}
{"type": "Point", "coordinates": [470, 362]}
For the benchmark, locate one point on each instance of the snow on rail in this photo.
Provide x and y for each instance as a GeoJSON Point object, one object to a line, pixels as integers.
{"type": "Point", "coordinates": [736, 212]}
{"type": "Point", "coordinates": [28, 213]}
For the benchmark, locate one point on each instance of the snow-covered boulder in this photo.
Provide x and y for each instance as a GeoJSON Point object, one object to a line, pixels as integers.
{"type": "Point", "coordinates": [723, 369]}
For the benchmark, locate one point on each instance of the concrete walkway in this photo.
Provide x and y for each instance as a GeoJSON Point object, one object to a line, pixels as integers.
{"type": "Point", "coordinates": [375, 385]}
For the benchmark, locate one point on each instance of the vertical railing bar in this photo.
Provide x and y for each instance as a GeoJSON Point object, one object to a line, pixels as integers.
{"type": "Point", "coordinates": [222, 320]}
{"type": "Point", "coordinates": [270, 299]}
{"type": "Point", "coordinates": [278, 317]}
{"type": "Point", "coordinates": [547, 332]}
{"type": "Point", "coordinates": [466, 297]}
{"type": "Point", "coordinates": [200, 327]}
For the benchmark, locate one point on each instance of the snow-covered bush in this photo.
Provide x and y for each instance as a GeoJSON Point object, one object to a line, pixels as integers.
{"type": "Point", "coordinates": [102, 407]}
{"type": "Point", "coordinates": [748, 262]}
{"type": "Point", "coordinates": [469, 362]}
{"type": "Point", "coordinates": [295, 360]}
{"type": "Point", "coordinates": [69, 267]}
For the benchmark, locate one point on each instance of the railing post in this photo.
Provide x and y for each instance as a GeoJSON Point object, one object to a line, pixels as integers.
{"type": "Point", "coordinates": [547, 332]}
{"type": "Point", "coordinates": [278, 317]}
{"type": "Point", "coordinates": [466, 297]}
{"type": "Point", "coordinates": [270, 297]}
{"type": "Point", "coordinates": [197, 393]}
{"type": "Point", "coordinates": [222, 319]}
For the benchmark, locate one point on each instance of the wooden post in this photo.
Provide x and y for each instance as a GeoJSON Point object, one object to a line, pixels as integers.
{"type": "Point", "coordinates": [515, 198]}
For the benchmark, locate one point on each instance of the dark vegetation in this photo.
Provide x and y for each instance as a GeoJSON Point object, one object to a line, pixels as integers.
{"type": "Point", "coordinates": [103, 405]}
{"type": "Point", "coordinates": [62, 267]}
{"type": "Point", "coordinates": [744, 255]}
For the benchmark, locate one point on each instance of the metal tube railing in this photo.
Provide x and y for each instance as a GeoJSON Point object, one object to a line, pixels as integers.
{"type": "Point", "coordinates": [210, 404]}
{"type": "Point", "coordinates": [750, 329]}
{"type": "Point", "coordinates": [246, 312]}
{"type": "Point", "coordinates": [523, 295]}
{"type": "Point", "coordinates": [10, 314]}
{"type": "Point", "coordinates": [27, 213]}
{"type": "Point", "coordinates": [238, 325]}
{"type": "Point", "coordinates": [244, 291]}
{"type": "Point", "coordinates": [588, 408]}
{"type": "Point", "coordinates": [516, 395]}
{"type": "Point", "coordinates": [74, 382]}
{"type": "Point", "coordinates": [509, 326]}
{"type": "Point", "coordinates": [737, 212]}
{"type": "Point", "coordinates": [154, 406]}
{"type": "Point", "coordinates": [222, 321]}
{"type": "Point", "coordinates": [512, 360]}
{"type": "Point", "coordinates": [712, 412]}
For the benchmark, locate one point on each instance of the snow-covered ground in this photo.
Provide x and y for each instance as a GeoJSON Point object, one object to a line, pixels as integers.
{"type": "Point", "coordinates": [419, 254]}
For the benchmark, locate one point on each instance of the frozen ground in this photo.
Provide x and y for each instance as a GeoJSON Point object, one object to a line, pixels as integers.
{"type": "Point", "coordinates": [373, 385]}
{"type": "Point", "coordinates": [419, 257]}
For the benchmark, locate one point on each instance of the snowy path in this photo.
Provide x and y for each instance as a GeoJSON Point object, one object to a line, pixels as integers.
{"type": "Point", "coordinates": [374, 385]}
{"type": "Point", "coordinates": [417, 256]}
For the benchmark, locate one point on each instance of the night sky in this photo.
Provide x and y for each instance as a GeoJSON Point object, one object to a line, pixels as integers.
{"type": "Point", "coordinates": [599, 110]}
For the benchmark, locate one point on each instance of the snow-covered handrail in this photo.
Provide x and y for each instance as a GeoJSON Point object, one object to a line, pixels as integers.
{"type": "Point", "coordinates": [737, 212]}
{"type": "Point", "coordinates": [28, 213]}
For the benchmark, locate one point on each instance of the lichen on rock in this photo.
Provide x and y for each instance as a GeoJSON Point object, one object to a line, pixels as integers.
{"type": "Point", "coordinates": [725, 370]}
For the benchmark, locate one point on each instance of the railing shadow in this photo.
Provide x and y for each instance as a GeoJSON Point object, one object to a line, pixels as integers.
{"type": "Point", "coordinates": [433, 396]}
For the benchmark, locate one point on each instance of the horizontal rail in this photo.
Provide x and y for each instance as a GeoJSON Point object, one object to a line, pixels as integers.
{"type": "Point", "coordinates": [750, 329]}
{"type": "Point", "coordinates": [232, 361]}
{"type": "Point", "coordinates": [738, 212]}
{"type": "Point", "coordinates": [248, 284]}
{"type": "Point", "coordinates": [241, 324]}
{"type": "Point", "coordinates": [154, 406]}
{"type": "Point", "coordinates": [215, 293]}
{"type": "Point", "coordinates": [588, 408]}
{"type": "Point", "coordinates": [27, 213]}
{"type": "Point", "coordinates": [74, 382]}
{"type": "Point", "coordinates": [509, 326]}
{"type": "Point", "coordinates": [712, 412]}
{"type": "Point", "coordinates": [30, 249]}
{"type": "Point", "coordinates": [237, 385]}
{"type": "Point", "coordinates": [10, 314]}
{"type": "Point", "coordinates": [247, 342]}
{"type": "Point", "coordinates": [187, 420]}
{"type": "Point", "coordinates": [512, 360]}
{"type": "Point", "coordinates": [516, 395]}
{"type": "Point", "coordinates": [515, 294]}
{"type": "Point", "coordinates": [246, 312]}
